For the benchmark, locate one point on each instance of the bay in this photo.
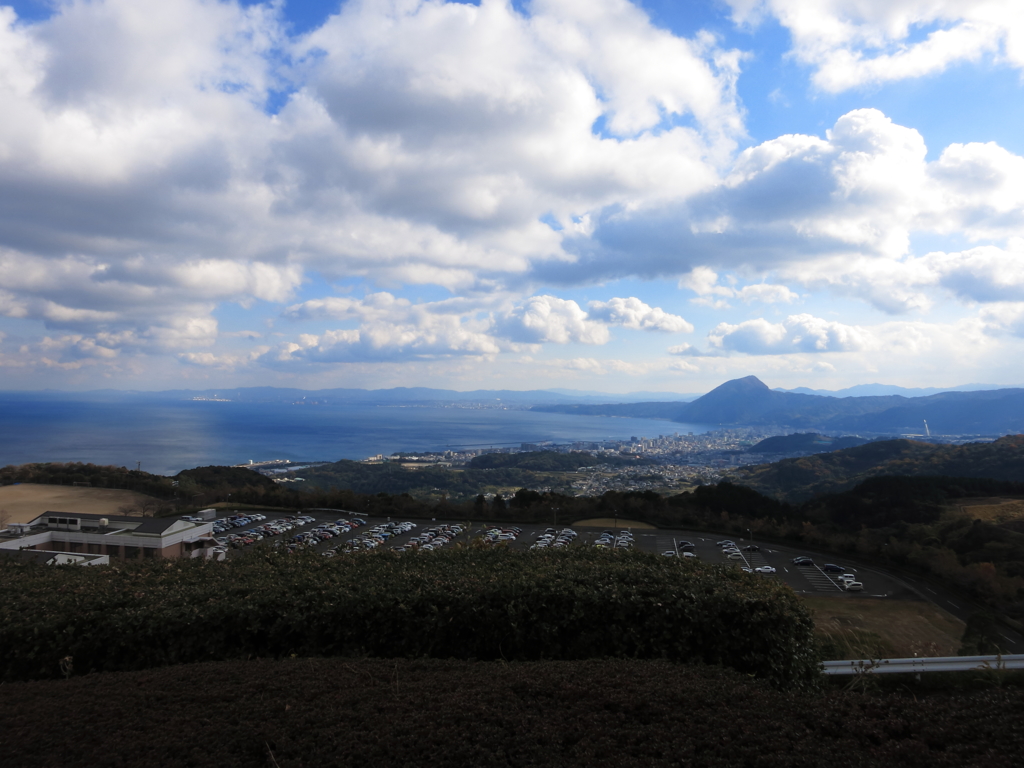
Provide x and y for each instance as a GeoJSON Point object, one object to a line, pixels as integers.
{"type": "Point", "coordinates": [168, 436]}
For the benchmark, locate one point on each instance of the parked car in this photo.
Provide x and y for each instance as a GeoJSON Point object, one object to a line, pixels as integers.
{"type": "Point", "coordinates": [854, 586]}
{"type": "Point", "coordinates": [832, 568]}
{"type": "Point", "coordinates": [765, 569]}
{"type": "Point", "coordinates": [752, 548]}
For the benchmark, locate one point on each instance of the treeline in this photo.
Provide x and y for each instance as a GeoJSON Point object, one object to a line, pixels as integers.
{"type": "Point", "coordinates": [94, 475]}
{"type": "Point", "coordinates": [430, 482]}
{"type": "Point", "coordinates": [466, 603]}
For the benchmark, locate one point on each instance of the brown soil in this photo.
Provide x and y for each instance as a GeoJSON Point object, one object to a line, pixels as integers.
{"type": "Point", "coordinates": [26, 501]}
{"type": "Point", "coordinates": [873, 628]}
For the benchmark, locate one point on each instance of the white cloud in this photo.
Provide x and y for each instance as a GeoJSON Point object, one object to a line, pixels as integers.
{"type": "Point", "coordinates": [423, 143]}
{"type": "Point", "coordinates": [636, 315]}
{"type": "Point", "coordinates": [797, 333]}
{"type": "Point", "coordinates": [704, 282]}
{"type": "Point", "coordinates": [543, 319]}
{"type": "Point", "coordinates": [856, 42]}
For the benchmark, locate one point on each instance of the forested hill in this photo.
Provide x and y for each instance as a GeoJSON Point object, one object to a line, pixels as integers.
{"type": "Point", "coordinates": [802, 478]}
{"type": "Point", "coordinates": [748, 401]}
{"type": "Point", "coordinates": [805, 442]}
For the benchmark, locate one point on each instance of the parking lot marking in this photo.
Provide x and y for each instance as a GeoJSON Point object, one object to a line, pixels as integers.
{"type": "Point", "coordinates": [952, 603]}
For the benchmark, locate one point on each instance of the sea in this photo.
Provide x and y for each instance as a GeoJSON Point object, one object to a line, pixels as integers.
{"type": "Point", "coordinates": [164, 437]}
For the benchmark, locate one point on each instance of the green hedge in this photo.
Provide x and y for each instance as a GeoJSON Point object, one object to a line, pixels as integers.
{"type": "Point", "coordinates": [468, 604]}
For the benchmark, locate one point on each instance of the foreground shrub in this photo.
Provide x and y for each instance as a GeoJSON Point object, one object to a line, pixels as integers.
{"type": "Point", "coordinates": [323, 713]}
{"type": "Point", "coordinates": [469, 604]}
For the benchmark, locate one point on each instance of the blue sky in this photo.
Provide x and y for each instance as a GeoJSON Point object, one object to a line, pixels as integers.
{"type": "Point", "coordinates": [600, 195]}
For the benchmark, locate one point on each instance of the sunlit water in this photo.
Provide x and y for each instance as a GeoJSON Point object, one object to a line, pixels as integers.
{"type": "Point", "coordinates": [169, 436]}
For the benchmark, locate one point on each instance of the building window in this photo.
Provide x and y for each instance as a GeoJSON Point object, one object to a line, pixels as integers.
{"type": "Point", "coordinates": [114, 550]}
{"type": "Point", "coordinates": [131, 553]}
{"type": "Point", "coordinates": [148, 552]}
{"type": "Point", "coordinates": [94, 549]}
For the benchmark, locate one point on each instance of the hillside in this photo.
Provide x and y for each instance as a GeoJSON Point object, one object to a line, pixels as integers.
{"type": "Point", "coordinates": [805, 442]}
{"type": "Point", "coordinates": [428, 481]}
{"type": "Point", "coordinates": [802, 478]}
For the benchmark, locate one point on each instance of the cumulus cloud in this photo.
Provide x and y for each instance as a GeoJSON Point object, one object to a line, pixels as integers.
{"type": "Point", "coordinates": [797, 333]}
{"type": "Point", "coordinates": [983, 274]}
{"type": "Point", "coordinates": [856, 42]}
{"type": "Point", "coordinates": [543, 319]}
{"type": "Point", "coordinates": [422, 142]}
{"type": "Point", "coordinates": [704, 282]}
{"type": "Point", "coordinates": [636, 315]}
{"type": "Point", "coordinates": [836, 212]}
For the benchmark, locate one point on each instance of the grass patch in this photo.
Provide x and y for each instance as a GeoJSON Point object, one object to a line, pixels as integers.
{"type": "Point", "coordinates": [24, 502]}
{"type": "Point", "coordinates": [861, 628]}
{"type": "Point", "coordinates": [993, 510]}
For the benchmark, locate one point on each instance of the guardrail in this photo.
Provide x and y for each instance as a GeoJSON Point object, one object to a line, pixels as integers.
{"type": "Point", "coordinates": [935, 664]}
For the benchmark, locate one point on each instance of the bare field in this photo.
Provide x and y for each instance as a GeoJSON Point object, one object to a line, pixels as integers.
{"type": "Point", "coordinates": [609, 522]}
{"type": "Point", "coordinates": [993, 510]}
{"type": "Point", "coordinates": [26, 501]}
{"type": "Point", "coordinates": [873, 628]}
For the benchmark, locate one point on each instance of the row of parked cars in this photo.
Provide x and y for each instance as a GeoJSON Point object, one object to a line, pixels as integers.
{"type": "Point", "coordinates": [554, 539]}
{"type": "Point", "coordinates": [372, 538]}
{"type": "Point", "coordinates": [266, 530]}
{"type": "Point", "coordinates": [847, 581]}
{"type": "Point", "coordinates": [432, 538]}
{"type": "Point", "coordinates": [608, 540]}
{"type": "Point", "coordinates": [497, 535]}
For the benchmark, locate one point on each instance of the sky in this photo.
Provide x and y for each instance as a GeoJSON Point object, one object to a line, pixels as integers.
{"type": "Point", "coordinates": [588, 194]}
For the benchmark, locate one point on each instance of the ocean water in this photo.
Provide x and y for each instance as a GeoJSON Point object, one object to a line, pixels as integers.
{"type": "Point", "coordinates": [168, 436]}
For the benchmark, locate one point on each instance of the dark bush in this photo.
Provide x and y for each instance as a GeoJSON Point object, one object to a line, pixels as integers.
{"type": "Point", "coordinates": [469, 604]}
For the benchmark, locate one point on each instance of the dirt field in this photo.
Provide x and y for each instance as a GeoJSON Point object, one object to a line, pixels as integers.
{"type": "Point", "coordinates": [27, 501]}
{"type": "Point", "coordinates": [610, 522]}
{"type": "Point", "coordinates": [994, 510]}
{"type": "Point", "coordinates": [872, 628]}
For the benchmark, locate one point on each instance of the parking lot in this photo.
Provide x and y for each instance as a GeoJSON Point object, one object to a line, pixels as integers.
{"type": "Point", "coordinates": [410, 535]}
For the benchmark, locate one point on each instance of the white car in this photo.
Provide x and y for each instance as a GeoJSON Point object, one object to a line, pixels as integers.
{"type": "Point", "coordinates": [854, 586]}
{"type": "Point", "coordinates": [735, 556]}
{"type": "Point", "coordinates": [765, 569]}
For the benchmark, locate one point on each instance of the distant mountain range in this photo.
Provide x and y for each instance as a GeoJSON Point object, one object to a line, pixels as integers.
{"type": "Point", "coordinates": [740, 402]}
{"type": "Point", "coordinates": [871, 390]}
{"type": "Point", "coordinates": [749, 402]}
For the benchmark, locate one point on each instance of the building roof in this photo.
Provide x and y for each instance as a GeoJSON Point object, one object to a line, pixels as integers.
{"type": "Point", "coordinates": [28, 555]}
